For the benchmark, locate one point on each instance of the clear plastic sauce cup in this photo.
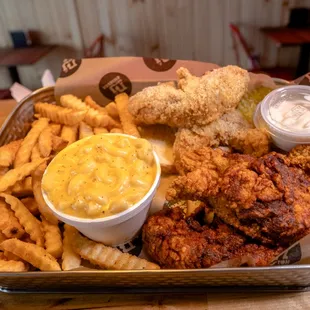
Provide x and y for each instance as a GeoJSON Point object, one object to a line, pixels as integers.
{"type": "Point", "coordinates": [285, 113]}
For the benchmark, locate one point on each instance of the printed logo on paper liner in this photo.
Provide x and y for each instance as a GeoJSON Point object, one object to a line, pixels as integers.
{"type": "Point", "coordinates": [159, 64]}
{"type": "Point", "coordinates": [291, 256]}
{"type": "Point", "coordinates": [133, 247]}
{"type": "Point", "coordinates": [114, 83]}
{"type": "Point", "coordinates": [70, 66]}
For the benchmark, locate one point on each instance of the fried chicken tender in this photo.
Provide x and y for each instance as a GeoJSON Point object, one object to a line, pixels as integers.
{"type": "Point", "coordinates": [198, 101]}
{"type": "Point", "coordinates": [229, 130]}
{"type": "Point", "coordinates": [300, 157]}
{"type": "Point", "coordinates": [175, 242]}
{"type": "Point", "coordinates": [208, 158]}
{"type": "Point", "coordinates": [253, 141]}
{"type": "Point", "coordinates": [265, 198]}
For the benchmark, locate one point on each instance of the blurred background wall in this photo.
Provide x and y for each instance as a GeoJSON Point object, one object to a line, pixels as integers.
{"type": "Point", "coordinates": [184, 29]}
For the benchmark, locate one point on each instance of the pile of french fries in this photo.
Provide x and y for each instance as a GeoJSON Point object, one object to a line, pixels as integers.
{"type": "Point", "coordinates": [31, 237]}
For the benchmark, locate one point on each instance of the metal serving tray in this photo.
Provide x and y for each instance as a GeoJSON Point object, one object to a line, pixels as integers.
{"type": "Point", "coordinates": [279, 278]}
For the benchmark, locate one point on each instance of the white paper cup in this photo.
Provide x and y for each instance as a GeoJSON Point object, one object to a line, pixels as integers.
{"type": "Point", "coordinates": [115, 229]}
{"type": "Point", "coordinates": [283, 138]}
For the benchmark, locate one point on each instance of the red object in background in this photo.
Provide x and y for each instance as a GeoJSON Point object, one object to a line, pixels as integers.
{"type": "Point", "coordinates": [5, 94]}
{"type": "Point", "coordinates": [96, 49]}
{"type": "Point", "coordinates": [278, 72]}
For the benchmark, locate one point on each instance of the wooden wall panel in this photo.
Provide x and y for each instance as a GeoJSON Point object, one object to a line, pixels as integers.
{"type": "Point", "coordinates": [186, 29]}
{"type": "Point", "coordinates": [89, 20]}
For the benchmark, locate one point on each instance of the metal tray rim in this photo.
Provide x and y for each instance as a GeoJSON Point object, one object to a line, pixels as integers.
{"type": "Point", "coordinates": [103, 274]}
{"type": "Point", "coordinates": [19, 104]}
{"type": "Point", "coordinates": [143, 272]}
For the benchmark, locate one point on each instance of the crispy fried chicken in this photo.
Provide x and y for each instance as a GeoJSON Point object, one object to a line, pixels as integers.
{"type": "Point", "coordinates": [229, 130]}
{"type": "Point", "coordinates": [264, 198]}
{"type": "Point", "coordinates": [204, 109]}
{"type": "Point", "coordinates": [198, 100]}
{"type": "Point", "coordinates": [174, 241]}
{"type": "Point", "coordinates": [300, 157]}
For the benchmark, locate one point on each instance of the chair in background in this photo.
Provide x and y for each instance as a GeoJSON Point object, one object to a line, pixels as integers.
{"type": "Point", "coordinates": [255, 66]}
{"type": "Point", "coordinates": [96, 49]}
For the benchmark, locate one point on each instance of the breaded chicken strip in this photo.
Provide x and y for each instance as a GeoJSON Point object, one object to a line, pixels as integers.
{"type": "Point", "coordinates": [198, 101]}
{"type": "Point", "coordinates": [230, 130]}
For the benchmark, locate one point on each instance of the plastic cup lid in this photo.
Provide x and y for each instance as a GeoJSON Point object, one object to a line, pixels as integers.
{"type": "Point", "coordinates": [287, 111]}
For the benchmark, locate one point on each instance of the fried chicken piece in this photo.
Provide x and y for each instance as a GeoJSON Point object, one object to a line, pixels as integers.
{"type": "Point", "coordinates": [300, 157]}
{"type": "Point", "coordinates": [198, 101]}
{"type": "Point", "coordinates": [254, 141]}
{"type": "Point", "coordinates": [175, 242]}
{"type": "Point", "coordinates": [201, 170]}
{"type": "Point", "coordinates": [263, 197]}
{"type": "Point", "coordinates": [230, 130]}
{"type": "Point", "coordinates": [213, 159]}
{"type": "Point", "coordinates": [252, 255]}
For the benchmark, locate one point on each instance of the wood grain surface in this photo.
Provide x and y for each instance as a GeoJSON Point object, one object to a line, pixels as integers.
{"type": "Point", "coordinates": [207, 301]}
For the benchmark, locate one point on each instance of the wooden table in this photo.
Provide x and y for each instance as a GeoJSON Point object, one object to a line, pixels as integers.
{"type": "Point", "coordinates": [6, 106]}
{"type": "Point", "coordinates": [284, 36]}
{"type": "Point", "coordinates": [206, 301]}
{"type": "Point", "coordinates": [13, 57]}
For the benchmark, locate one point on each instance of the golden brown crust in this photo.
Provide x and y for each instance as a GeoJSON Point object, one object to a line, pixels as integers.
{"type": "Point", "coordinates": [300, 157]}
{"type": "Point", "coordinates": [176, 242]}
{"type": "Point", "coordinates": [263, 197]}
{"type": "Point", "coordinates": [229, 130]}
{"type": "Point", "coordinates": [254, 141]}
{"type": "Point", "coordinates": [198, 101]}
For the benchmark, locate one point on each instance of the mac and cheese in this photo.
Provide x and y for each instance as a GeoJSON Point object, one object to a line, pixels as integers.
{"type": "Point", "coordinates": [100, 175]}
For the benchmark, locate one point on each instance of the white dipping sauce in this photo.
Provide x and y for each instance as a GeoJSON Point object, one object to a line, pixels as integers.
{"type": "Point", "coordinates": [285, 113]}
{"type": "Point", "coordinates": [293, 114]}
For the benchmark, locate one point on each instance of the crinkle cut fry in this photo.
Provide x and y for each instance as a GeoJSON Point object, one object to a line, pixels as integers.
{"type": "Point", "coordinates": [32, 254]}
{"type": "Point", "coordinates": [9, 224]}
{"type": "Point", "coordinates": [85, 131]}
{"type": "Point", "coordinates": [108, 257]}
{"type": "Point", "coordinates": [93, 117]}
{"type": "Point", "coordinates": [70, 259]}
{"type": "Point", "coordinates": [3, 170]}
{"type": "Point", "coordinates": [35, 153]}
{"type": "Point", "coordinates": [59, 114]}
{"type": "Point", "coordinates": [69, 133]}
{"type": "Point", "coordinates": [31, 225]}
{"type": "Point", "coordinates": [112, 110]}
{"type": "Point", "coordinates": [126, 118]}
{"type": "Point", "coordinates": [22, 188]}
{"type": "Point", "coordinates": [55, 128]}
{"type": "Point", "coordinates": [58, 143]}
{"type": "Point", "coordinates": [100, 130]}
{"type": "Point", "coordinates": [12, 266]}
{"type": "Point", "coordinates": [8, 153]}
{"type": "Point", "coordinates": [45, 142]}
{"type": "Point", "coordinates": [31, 204]}
{"type": "Point", "coordinates": [18, 174]}
{"type": "Point", "coordinates": [24, 152]}
{"type": "Point", "coordinates": [96, 119]}
{"type": "Point", "coordinates": [94, 105]}
{"type": "Point", "coordinates": [73, 102]}
{"type": "Point", "coordinates": [53, 239]}
{"type": "Point", "coordinates": [36, 187]}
